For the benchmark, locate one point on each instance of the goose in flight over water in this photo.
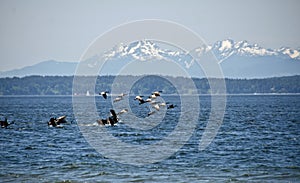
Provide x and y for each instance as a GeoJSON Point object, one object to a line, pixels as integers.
{"type": "Point", "coordinates": [144, 101]}
{"type": "Point", "coordinates": [156, 93]}
{"type": "Point", "coordinates": [120, 97]}
{"type": "Point", "coordinates": [152, 96]}
{"type": "Point", "coordinates": [156, 106]}
{"type": "Point", "coordinates": [151, 112]}
{"type": "Point", "coordinates": [141, 100]}
{"type": "Point", "coordinates": [122, 111]}
{"type": "Point", "coordinates": [104, 94]}
{"type": "Point", "coordinates": [139, 97]}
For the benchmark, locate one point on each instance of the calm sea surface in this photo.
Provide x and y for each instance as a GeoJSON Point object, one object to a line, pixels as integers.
{"type": "Point", "coordinates": [259, 141]}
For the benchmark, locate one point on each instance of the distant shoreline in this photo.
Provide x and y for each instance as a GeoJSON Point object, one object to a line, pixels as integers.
{"type": "Point", "coordinates": [65, 86]}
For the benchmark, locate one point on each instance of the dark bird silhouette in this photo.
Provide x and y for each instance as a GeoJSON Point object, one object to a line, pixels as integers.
{"type": "Point", "coordinates": [144, 101]}
{"type": "Point", "coordinates": [151, 112]}
{"type": "Point", "coordinates": [57, 121]}
{"type": "Point", "coordinates": [5, 124]}
{"type": "Point", "coordinates": [139, 97]}
{"type": "Point", "coordinates": [102, 121]}
{"type": "Point", "coordinates": [171, 106]}
{"type": "Point", "coordinates": [104, 94]}
{"type": "Point", "coordinates": [112, 119]}
{"type": "Point", "coordinates": [156, 93]}
{"type": "Point", "coordinates": [61, 119]}
{"type": "Point", "coordinates": [141, 100]}
{"type": "Point", "coordinates": [52, 122]}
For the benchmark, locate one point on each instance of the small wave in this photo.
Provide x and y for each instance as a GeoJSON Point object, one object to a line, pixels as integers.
{"type": "Point", "coordinates": [90, 124]}
{"type": "Point", "coordinates": [96, 124]}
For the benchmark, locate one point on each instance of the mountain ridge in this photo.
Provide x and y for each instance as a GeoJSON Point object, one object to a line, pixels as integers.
{"type": "Point", "coordinates": [44, 68]}
{"type": "Point", "coordinates": [228, 47]}
{"type": "Point", "coordinates": [238, 59]}
{"type": "Point", "coordinates": [221, 49]}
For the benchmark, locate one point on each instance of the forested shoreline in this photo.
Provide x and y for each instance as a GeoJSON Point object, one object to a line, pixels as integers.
{"type": "Point", "coordinates": [63, 85]}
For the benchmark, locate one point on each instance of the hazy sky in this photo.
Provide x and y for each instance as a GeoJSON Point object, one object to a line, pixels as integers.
{"type": "Point", "coordinates": [32, 31]}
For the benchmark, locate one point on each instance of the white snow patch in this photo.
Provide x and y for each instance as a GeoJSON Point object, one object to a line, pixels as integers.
{"type": "Point", "coordinates": [291, 53]}
{"type": "Point", "coordinates": [257, 51]}
{"type": "Point", "coordinates": [132, 50]}
{"type": "Point", "coordinates": [225, 45]}
{"type": "Point", "coordinates": [187, 64]}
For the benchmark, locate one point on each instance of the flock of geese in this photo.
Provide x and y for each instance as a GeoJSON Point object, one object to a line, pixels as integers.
{"type": "Point", "coordinates": [113, 119]}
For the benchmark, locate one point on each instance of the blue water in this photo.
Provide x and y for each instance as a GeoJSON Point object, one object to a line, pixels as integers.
{"type": "Point", "coordinates": [258, 141]}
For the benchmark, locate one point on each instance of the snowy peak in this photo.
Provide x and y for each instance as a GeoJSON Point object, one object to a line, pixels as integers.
{"type": "Point", "coordinates": [244, 60]}
{"type": "Point", "coordinates": [226, 48]}
{"type": "Point", "coordinates": [148, 50]}
{"type": "Point", "coordinates": [295, 54]}
{"type": "Point", "coordinates": [140, 50]}
{"type": "Point", "coordinates": [144, 50]}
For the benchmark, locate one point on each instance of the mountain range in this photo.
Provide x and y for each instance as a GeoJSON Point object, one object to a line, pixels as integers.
{"type": "Point", "coordinates": [144, 50]}
{"type": "Point", "coordinates": [237, 60]}
{"type": "Point", "coordinates": [227, 48]}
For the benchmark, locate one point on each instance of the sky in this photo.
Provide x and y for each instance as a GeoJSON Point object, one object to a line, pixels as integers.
{"type": "Point", "coordinates": [33, 31]}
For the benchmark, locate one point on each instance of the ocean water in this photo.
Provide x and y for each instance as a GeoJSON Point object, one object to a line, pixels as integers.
{"type": "Point", "coordinates": [259, 141]}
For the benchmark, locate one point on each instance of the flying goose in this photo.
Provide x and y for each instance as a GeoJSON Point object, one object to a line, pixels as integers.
{"type": "Point", "coordinates": [139, 97]}
{"type": "Point", "coordinates": [122, 111]}
{"type": "Point", "coordinates": [141, 100]}
{"type": "Point", "coordinates": [152, 96]}
{"type": "Point", "coordinates": [156, 93]}
{"type": "Point", "coordinates": [104, 94]}
{"type": "Point", "coordinates": [151, 112]}
{"type": "Point", "coordinates": [120, 97]}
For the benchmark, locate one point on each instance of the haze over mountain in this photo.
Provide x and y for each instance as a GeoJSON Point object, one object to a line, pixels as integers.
{"type": "Point", "coordinates": [237, 60]}
{"type": "Point", "coordinates": [45, 68]}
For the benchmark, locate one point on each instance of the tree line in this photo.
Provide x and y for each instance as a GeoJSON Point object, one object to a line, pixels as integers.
{"type": "Point", "coordinates": [63, 85]}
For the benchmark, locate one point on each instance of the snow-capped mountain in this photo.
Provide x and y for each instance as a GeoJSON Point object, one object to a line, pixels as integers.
{"type": "Point", "coordinates": [294, 54]}
{"type": "Point", "coordinates": [227, 48]}
{"type": "Point", "coordinates": [237, 59]}
{"type": "Point", "coordinates": [142, 50]}
{"type": "Point", "coordinates": [147, 50]}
